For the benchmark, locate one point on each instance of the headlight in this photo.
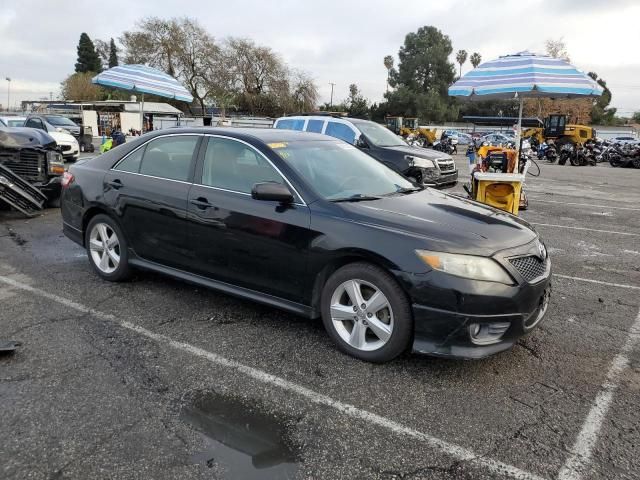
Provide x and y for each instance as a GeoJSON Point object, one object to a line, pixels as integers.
{"type": "Point", "coordinates": [466, 266]}
{"type": "Point", "coordinates": [419, 162]}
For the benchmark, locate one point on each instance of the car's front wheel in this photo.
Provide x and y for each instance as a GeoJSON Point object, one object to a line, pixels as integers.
{"type": "Point", "coordinates": [107, 249]}
{"type": "Point", "coordinates": [366, 313]}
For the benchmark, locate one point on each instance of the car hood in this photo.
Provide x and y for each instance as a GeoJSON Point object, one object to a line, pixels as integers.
{"type": "Point", "coordinates": [62, 137]}
{"type": "Point", "coordinates": [419, 152]}
{"type": "Point", "coordinates": [20, 137]}
{"type": "Point", "coordinates": [446, 222]}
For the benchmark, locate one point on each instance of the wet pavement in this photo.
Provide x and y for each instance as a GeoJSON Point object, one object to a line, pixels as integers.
{"type": "Point", "coordinates": [154, 378]}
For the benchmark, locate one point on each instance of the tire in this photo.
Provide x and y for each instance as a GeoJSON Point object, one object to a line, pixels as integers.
{"type": "Point", "coordinates": [111, 270]}
{"type": "Point", "coordinates": [393, 329]}
{"type": "Point", "coordinates": [636, 162]}
{"type": "Point", "coordinates": [574, 160]}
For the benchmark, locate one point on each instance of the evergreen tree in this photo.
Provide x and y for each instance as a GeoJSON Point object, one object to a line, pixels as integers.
{"type": "Point", "coordinates": [113, 54]}
{"type": "Point", "coordinates": [423, 77]}
{"type": "Point", "coordinates": [88, 59]}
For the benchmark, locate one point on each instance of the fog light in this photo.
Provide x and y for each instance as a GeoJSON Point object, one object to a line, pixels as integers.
{"type": "Point", "coordinates": [487, 333]}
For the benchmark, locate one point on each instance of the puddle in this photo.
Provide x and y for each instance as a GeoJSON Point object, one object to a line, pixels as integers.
{"type": "Point", "coordinates": [243, 441]}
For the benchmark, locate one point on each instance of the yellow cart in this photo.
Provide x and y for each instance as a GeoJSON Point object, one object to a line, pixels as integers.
{"type": "Point", "coordinates": [500, 190]}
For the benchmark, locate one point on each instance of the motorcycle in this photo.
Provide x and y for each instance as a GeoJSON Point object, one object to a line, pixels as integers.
{"type": "Point", "coordinates": [446, 146]}
{"type": "Point", "coordinates": [577, 155]}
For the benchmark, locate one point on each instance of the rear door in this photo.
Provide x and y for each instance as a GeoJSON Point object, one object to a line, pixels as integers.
{"type": "Point", "coordinates": [148, 190]}
{"type": "Point", "coordinates": [256, 244]}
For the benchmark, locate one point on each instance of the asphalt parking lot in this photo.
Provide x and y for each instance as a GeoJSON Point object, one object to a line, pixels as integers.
{"type": "Point", "coordinates": [159, 379]}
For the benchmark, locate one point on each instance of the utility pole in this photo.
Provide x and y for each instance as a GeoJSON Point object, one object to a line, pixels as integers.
{"type": "Point", "coordinates": [8, 93]}
{"type": "Point", "coordinates": [331, 101]}
{"type": "Point", "coordinates": [50, 96]}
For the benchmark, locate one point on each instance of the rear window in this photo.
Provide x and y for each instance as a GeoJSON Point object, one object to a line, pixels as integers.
{"type": "Point", "coordinates": [290, 124]}
{"type": "Point", "coordinates": [341, 131]}
{"type": "Point", "coordinates": [315, 126]}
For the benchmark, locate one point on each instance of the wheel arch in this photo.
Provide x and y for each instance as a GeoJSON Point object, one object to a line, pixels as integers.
{"type": "Point", "coordinates": [92, 212]}
{"type": "Point", "coordinates": [346, 257]}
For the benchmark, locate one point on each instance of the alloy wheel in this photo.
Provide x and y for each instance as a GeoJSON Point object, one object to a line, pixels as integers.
{"type": "Point", "coordinates": [361, 315]}
{"type": "Point", "coordinates": [104, 247]}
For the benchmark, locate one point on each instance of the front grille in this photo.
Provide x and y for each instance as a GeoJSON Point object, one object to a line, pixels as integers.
{"type": "Point", "coordinates": [530, 267]}
{"type": "Point", "coordinates": [65, 148]}
{"type": "Point", "coordinates": [446, 165]}
{"type": "Point", "coordinates": [28, 165]}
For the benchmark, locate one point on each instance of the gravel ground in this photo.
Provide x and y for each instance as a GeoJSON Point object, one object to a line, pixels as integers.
{"type": "Point", "coordinates": [158, 379]}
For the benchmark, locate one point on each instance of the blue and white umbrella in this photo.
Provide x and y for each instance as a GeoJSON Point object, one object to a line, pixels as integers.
{"type": "Point", "coordinates": [143, 79]}
{"type": "Point", "coordinates": [525, 75]}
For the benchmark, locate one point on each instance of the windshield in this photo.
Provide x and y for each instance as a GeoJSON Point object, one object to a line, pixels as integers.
{"type": "Point", "coordinates": [378, 135]}
{"type": "Point", "coordinates": [337, 170]}
{"type": "Point", "coordinates": [15, 122]}
{"type": "Point", "coordinates": [60, 121]}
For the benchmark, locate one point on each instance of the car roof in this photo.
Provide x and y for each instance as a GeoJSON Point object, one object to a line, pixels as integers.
{"type": "Point", "coordinates": [352, 120]}
{"type": "Point", "coordinates": [266, 135]}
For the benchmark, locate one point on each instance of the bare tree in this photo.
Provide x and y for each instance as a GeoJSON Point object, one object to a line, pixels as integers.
{"type": "Point", "coordinates": [556, 48]}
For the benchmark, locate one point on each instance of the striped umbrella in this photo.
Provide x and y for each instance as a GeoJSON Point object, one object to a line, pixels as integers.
{"type": "Point", "coordinates": [525, 75]}
{"type": "Point", "coordinates": [143, 79]}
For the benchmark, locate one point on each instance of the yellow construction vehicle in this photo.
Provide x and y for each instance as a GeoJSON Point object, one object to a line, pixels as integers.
{"type": "Point", "coordinates": [556, 128]}
{"type": "Point", "coordinates": [406, 126]}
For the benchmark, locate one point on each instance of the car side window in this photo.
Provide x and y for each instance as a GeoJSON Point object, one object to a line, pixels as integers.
{"type": "Point", "coordinates": [232, 165]}
{"type": "Point", "coordinates": [131, 163]}
{"type": "Point", "coordinates": [315, 126]}
{"type": "Point", "coordinates": [341, 131]}
{"type": "Point", "coordinates": [34, 123]}
{"type": "Point", "coordinates": [169, 157]}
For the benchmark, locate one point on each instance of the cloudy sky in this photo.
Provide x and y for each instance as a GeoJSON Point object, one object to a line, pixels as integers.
{"type": "Point", "coordinates": [336, 41]}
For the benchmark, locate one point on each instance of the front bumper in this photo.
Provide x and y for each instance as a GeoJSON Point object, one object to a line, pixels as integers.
{"type": "Point", "coordinates": [69, 151]}
{"type": "Point", "coordinates": [52, 188]}
{"type": "Point", "coordinates": [444, 180]}
{"type": "Point", "coordinates": [445, 306]}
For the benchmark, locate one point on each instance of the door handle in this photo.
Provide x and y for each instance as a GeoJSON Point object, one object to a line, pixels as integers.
{"type": "Point", "coordinates": [116, 184]}
{"type": "Point", "coordinates": [201, 202]}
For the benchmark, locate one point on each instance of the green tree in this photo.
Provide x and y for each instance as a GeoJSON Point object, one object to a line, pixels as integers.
{"type": "Point", "coordinates": [475, 59]}
{"type": "Point", "coordinates": [88, 59]}
{"type": "Point", "coordinates": [388, 64]}
{"type": "Point", "coordinates": [601, 114]}
{"type": "Point", "coordinates": [423, 77]}
{"type": "Point", "coordinates": [113, 54]}
{"type": "Point", "coordinates": [356, 103]}
{"type": "Point", "coordinates": [636, 117]}
{"type": "Point", "coordinates": [461, 57]}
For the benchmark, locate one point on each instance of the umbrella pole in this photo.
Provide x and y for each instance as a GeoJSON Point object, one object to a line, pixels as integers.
{"type": "Point", "coordinates": [519, 136]}
{"type": "Point", "coordinates": [142, 115]}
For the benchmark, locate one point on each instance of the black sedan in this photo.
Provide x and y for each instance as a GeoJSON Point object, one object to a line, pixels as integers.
{"type": "Point", "coordinates": [310, 224]}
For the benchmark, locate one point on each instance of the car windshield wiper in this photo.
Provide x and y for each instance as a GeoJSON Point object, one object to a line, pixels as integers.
{"type": "Point", "coordinates": [358, 197]}
{"type": "Point", "coordinates": [409, 190]}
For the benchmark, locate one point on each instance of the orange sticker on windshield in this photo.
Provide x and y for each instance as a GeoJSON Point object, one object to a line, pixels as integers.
{"type": "Point", "coordinates": [277, 145]}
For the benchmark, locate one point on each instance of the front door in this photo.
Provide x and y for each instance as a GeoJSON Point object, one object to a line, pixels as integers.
{"type": "Point", "coordinates": [256, 244]}
{"type": "Point", "coordinates": [149, 190]}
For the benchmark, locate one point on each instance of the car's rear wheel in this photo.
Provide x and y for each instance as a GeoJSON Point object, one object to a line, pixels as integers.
{"type": "Point", "coordinates": [107, 249]}
{"type": "Point", "coordinates": [366, 313]}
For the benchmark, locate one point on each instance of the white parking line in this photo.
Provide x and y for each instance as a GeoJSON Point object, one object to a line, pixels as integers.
{"type": "Point", "coordinates": [453, 450]}
{"type": "Point", "coordinates": [577, 464]}
{"type": "Point", "coordinates": [600, 282]}
{"type": "Point", "coordinates": [584, 228]}
{"type": "Point", "coordinates": [583, 204]}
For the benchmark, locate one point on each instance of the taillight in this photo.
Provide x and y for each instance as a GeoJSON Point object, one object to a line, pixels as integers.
{"type": "Point", "coordinates": [67, 179]}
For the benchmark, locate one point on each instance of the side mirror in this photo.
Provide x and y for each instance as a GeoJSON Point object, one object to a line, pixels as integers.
{"type": "Point", "coordinates": [361, 142]}
{"type": "Point", "coordinates": [271, 191]}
